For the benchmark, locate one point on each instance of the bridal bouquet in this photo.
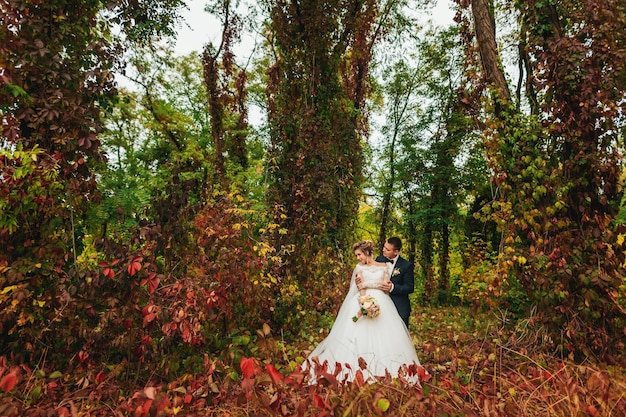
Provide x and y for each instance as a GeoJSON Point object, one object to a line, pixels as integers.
{"type": "Point", "coordinates": [369, 307]}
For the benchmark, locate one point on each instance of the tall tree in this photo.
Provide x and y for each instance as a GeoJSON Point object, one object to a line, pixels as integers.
{"type": "Point", "coordinates": [400, 111]}
{"type": "Point", "coordinates": [559, 173]}
{"type": "Point", "coordinates": [227, 96]}
{"type": "Point", "coordinates": [316, 90]}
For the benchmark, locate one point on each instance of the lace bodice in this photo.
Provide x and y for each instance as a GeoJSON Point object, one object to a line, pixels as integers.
{"type": "Point", "coordinates": [372, 274]}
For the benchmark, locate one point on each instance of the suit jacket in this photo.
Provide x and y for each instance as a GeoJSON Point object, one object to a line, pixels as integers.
{"type": "Point", "coordinates": [403, 285]}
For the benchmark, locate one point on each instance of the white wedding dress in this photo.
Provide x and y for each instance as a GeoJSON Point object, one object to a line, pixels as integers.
{"type": "Point", "coordinates": [382, 342]}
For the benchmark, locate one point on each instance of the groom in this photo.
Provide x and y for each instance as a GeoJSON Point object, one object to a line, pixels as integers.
{"type": "Point", "coordinates": [401, 275]}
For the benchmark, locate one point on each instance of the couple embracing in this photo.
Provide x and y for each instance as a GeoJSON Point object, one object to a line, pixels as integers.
{"type": "Point", "coordinates": [376, 340]}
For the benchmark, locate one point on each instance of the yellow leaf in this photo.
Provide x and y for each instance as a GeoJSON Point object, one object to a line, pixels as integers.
{"type": "Point", "coordinates": [9, 288]}
{"type": "Point", "coordinates": [512, 392]}
{"type": "Point", "coordinates": [39, 303]}
{"type": "Point", "coordinates": [620, 239]}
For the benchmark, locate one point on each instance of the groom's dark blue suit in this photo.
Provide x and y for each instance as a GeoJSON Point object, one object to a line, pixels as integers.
{"type": "Point", "coordinates": [403, 285]}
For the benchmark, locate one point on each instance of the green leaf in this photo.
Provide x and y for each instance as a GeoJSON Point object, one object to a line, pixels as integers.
{"type": "Point", "coordinates": [383, 404]}
{"type": "Point", "coordinates": [55, 375]}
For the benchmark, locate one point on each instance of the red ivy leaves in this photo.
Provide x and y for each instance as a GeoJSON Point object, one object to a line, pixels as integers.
{"type": "Point", "coordinates": [150, 313]}
{"type": "Point", "coordinates": [247, 366]}
{"type": "Point", "coordinates": [134, 266]}
{"type": "Point", "coordinates": [274, 374]}
{"type": "Point", "coordinates": [319, 401]}
{"type": "Point", "coordinates": [101, 376]}
{"type": "Point", "coordinates": [359, 380]}
{"type": "Point", "coordinates": [152, 280]}
{"type": "Point", "coordinates": [108, 270]}
{"type": "Point", "coordinates": [422, 373]}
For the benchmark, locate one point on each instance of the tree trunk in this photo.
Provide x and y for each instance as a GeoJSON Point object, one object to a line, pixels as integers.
{"type": "Point", "coordinates": [484, 26]}
{"type": "Point", "coordinates": [444, 259]}
{"type": "Point", "coordinates": [427, 261]}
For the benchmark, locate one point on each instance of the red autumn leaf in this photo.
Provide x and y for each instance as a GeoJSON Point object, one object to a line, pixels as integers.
{"type": "Point", "coordinates": [153, 282]}
{"type": "Point", "coordinates": [148, 318]}
{"type": "Point", "coordinates": [64, 412]}
{"type": "Point", "coordinates": [274, 374]}
{"type": "Point", "coordinates": [319, 401]}
{"type": "Point", "coordinates": [188, 398]}
{"type": "Point", "coordinates": [8, 382]}
{"type": "Point", "coordinates": [144, 409]}
{"type": "Point", "coordinates": [423, 374]}
{"type": "Point", "coordinates": [133, 268]}
{"type": "Point", "coordinates": [108, 272]}
{"type": "Point", "coordinates": [247, 367]}
{"type": "Point", "coordinates": [115, 262]}
{"type": "Point", "coordinates": [358, 379]}
{"type": "Point", "coordinates": [186, 332]}
{"type": "Point", "coordinates": [332, 379]}
{"type": "Point", "coordinates": [100, 377]}
{"type": "Point", "coordinates": [83, 356]}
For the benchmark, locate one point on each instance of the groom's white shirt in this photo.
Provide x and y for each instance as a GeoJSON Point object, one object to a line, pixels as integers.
{"type": "Point", "coordinates": [392, 265]}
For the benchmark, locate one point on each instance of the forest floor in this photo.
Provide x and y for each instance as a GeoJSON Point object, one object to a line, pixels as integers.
{"type": "Point", "coordinates": [479, 364]}
{"type": "Point", "coordinates": [487, 364]}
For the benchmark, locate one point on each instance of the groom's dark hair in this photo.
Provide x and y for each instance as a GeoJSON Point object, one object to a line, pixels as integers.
{"type": "Point", "coordinates": [395, 242]}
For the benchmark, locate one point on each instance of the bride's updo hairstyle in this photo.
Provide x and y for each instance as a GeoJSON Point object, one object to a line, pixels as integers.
{"type": "Point", "coordinates": [366, 246]}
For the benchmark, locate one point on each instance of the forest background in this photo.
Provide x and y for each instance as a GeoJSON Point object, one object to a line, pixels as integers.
{"type": "Point", "coordinates": [162, 255]}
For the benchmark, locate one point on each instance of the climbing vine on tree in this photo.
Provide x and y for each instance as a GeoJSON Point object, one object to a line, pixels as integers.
{"type": "Point", "coordinates": [558, 172]}
{"type": "Point", "coordinates": [316, 91]}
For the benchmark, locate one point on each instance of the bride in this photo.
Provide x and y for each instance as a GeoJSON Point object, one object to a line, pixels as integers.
{"type": "Point", "coordinates": [373, 344]}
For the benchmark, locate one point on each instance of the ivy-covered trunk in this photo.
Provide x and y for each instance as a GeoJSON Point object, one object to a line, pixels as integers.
{"type": "Point", "coordinates": [316, 91]}
{"type": "Point", "coordinates": [559, 172]}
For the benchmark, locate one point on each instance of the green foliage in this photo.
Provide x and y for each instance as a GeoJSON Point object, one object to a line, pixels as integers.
{"type": "Point", "coordinates": [432, 162]}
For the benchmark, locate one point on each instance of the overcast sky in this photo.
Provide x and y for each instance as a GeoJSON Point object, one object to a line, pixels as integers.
{"type": "Point", "coordinates": [199, 27]}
